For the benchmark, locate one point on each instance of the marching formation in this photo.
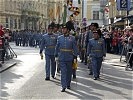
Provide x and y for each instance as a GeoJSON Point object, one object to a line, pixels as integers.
{"type": "Point", "coordinates": [64, 46]}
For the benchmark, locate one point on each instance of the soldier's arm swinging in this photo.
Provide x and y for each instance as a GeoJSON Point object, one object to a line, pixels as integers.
{"type": "Point", "coordinates": [57, 48]}
{"type": "Point", "coordinates": [42, 46]}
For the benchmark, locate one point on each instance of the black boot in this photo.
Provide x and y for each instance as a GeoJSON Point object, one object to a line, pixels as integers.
{"type": "Point", "coordinates": [63, 89]}
{"type": "Point", "coordinates": [95, 78]}
{"type": "Point", "coordinates": [68, 87]}
{"type": "Point", "coordinates": [90, 73]}
{"type": "Point", "coordinates": [74, 76]}
{"type": "Point", "coordinates": [53, 77]}
{"type": "Point", "coordinates": [47, 78]}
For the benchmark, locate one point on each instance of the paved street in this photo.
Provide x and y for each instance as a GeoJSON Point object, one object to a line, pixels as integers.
{"type": "Point", "coordinates": [26, 80]}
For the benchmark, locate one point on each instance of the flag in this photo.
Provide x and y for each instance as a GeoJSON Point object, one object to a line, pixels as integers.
{"type": "Point", "coordinates": [58, 11]}
{"type": "Point", "coordinates": [51, 13]}
{"type": "Point", "coordinates": [69, 2]}
{"type": "Point", "coordinates": [106, 9]}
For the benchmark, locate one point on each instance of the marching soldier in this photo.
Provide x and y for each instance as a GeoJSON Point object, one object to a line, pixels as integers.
{"type": "Point", "coordinates": [48, 43]}
{"type": "Point", "coordinates": [96, 51]}
{"type": "Point", "coordinates": [83, 45]}
{"type": "Point", "coordinates": [76, 35]}
{"type": "Point", "coordinates": [89, 36]}
{"type": "Point", "coordinates": [92, 27]}
{"type": "Point", "coordinates": [56, 31]}
{"type": "Point", "coordinates": [66, 51]}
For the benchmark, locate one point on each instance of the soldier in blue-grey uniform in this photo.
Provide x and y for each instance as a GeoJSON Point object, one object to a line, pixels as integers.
{"type": "Point", "coordinates": [66, 52]}
{"type": "Point", "coordinates": [56, 31]}
{"type": "Point", "coordinates": [96, 51]}
{"type": "Point", "coordinates": [48, 43]}
{"type": "Point", "coordinates": [92, 27]}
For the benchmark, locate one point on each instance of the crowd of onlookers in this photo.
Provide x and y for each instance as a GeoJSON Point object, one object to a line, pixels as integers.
{"type": "Point", "coordinates": [117, 39]}
{"type": "Point", "coordinates": [4, 43]}
{"type": "Point", "coordinates": [120, 42]}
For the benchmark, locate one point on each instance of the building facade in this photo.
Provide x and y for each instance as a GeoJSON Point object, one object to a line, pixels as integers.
{"type": "Point", "coordinates": [93, 12]}
{"type": "Point", "coordinates": [55, 10]}
{"type": "Point", "coordinates": [131, 13]}
{"type": "Point", "coordinates": [118, 18]}
{"type": "Point", "coordinates": [23, 14]}
{"type": "Point", "coordinates": [34, 14]}
{"type": "Point", "coordinates": [10, 14]}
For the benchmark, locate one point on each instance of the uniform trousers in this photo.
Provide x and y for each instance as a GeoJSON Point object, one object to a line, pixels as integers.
{"type": "Point", "coordinates": [50, 64]}
{"type": "Point", "coordinates": [96, 65]}
{"type": "Point", "coordinates": [66, 73]}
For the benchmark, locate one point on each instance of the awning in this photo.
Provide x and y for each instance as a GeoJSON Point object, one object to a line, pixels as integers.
{"type": "Point", "coordinates": [118, 20]}
{"type": "Point", "coordinates": [130, 17]}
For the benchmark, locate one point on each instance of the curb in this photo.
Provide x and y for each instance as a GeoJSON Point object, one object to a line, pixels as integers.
{"type": "Point", "coordinates": [118, 65]}
{"type": "Point", "coordinates": [115, 64]}
{"type": "Point", "coordinates": [8, 67]}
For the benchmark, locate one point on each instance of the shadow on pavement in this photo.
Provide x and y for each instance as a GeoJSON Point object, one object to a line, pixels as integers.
{"type": "Point", "coordinates": [82, 95]}
{"type": "Point", "coordinates": [113, 80]}
{"type": "Point", "coordinates": [6, 80]}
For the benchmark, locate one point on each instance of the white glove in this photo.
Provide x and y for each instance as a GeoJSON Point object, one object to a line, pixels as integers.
{"type": "Point", "coordinates": [56, 58]}
{"type": "Point", "coordinates": [88, 57]}
{"type": "Point", "coordinates": [75, 60]}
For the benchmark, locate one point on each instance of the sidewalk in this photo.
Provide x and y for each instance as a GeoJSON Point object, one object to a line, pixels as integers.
{"type": "Point", "coordinates": [114, 60]}
{"type": "Point", "coordinates": [8, 64]}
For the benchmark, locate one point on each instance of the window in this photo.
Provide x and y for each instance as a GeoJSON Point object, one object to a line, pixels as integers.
{"type": "Point", "coordinates": [7, 26]}
{"type": "Point", "coordinates": [19, 23]}
{"type": "Point", "coordinates": [15, 23]}
{"type": "Point", "coordinates": [11, 23]}
{"type": "Point", "coordinates": [131, 4]}
{"type": "Point", "coordinates": [95, 15]}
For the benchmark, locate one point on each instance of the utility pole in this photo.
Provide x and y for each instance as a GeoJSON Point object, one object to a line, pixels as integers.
{"type": "Point", "coordinates": [127, 18]}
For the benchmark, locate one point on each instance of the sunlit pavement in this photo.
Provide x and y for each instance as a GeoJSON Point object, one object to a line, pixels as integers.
{"type": "Point", "coordinates": [26, 80]}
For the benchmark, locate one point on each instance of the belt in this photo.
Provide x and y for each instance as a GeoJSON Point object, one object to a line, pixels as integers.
{"type": "Point", "coordinates": [97, 50]}
{"type": "Point", "coordinates": [50, 46]}
{"type": "Point", "coordinates": [66, 50]}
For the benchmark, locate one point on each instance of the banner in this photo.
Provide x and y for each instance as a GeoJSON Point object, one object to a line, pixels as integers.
{"type": "Point", "coordinates": [73, 8]}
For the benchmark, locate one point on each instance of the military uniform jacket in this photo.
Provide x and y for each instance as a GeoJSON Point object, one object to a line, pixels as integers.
{"type": "Point", "coordinates": [66, 48]}
{"type": "Point", "coordinates": [48, 43]}
{"type": "Point", "coordinates": [96, 48]}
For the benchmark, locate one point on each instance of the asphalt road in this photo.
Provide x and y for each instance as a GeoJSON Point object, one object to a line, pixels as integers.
{"type": "Point", "coordinates": [26, 81]}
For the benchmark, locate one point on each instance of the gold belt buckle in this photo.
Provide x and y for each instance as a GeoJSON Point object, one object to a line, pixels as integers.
{"type": "Point", "coordinates": [67, 50]}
